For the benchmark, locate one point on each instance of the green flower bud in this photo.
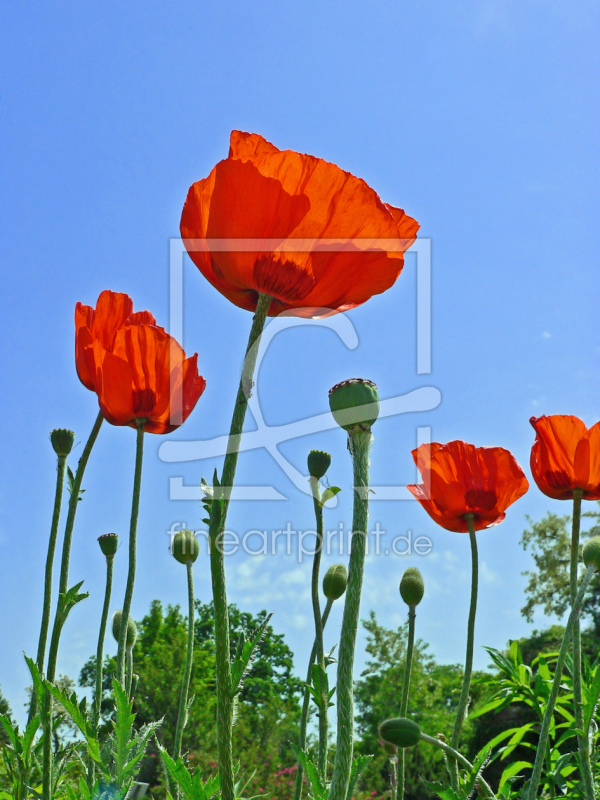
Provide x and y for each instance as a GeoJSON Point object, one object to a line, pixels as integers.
{"type": "Point", "coordinates": [354, 403]}
{"type": "Point", "coordinates": [412, 587]}
{"type": "Point", "coordinates": [335, 582]}
{"type": "Point", "coordinates": [62, 441]}
{"type": "Point", "coordinates": [185, 547]}
{"type": "Point", "coordinates": [591, 553]}
{"type": "Point", "coordinates": [108, 544]}
{"type": "Point", "coordinates": [400, 731]}
{"type": "Point", "coordinates": [318, 463]}
{"type": "Point", "coordinates": [131, 628]}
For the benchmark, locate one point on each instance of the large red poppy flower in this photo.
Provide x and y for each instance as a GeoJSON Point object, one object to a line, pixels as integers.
{"type": "Point", "coordinates": [147, 376]}
{"type": "Point", "coordinates": [276, 197]}
{"type": "Point", "coordinates": [566, 456]}
{"type": "Point", "coordinates": [461, 479]}
{"type": "Point", "coordinates": [96, 329]}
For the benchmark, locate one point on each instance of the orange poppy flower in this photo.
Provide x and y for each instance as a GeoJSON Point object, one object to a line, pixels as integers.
{"type": "Point", "coordinates": [566, 456]}
{"type": "Point", "coordinates": [95, 331]}
{"type": "Point", "coordinates": [461, 479]}
{"type": "Point", "coordinates": [147, 376]}
{"type": "Point", "coordinates": [276, 197]}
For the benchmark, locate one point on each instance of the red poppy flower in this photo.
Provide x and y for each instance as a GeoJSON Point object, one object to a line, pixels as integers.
{"type": "Point", "coordinates": [95, 331]}
{"type": "Point", "coordinates": [273, 196]}
{"type": "Point", "coordinates": [147, 376]}
{"type": "Point", "coordinates": [566, 456]}
{"type": "Point", "coordinates": [461, 479]}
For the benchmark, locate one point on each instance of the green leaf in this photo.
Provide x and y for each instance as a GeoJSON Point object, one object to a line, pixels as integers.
{"type": "Point", "coordinates": [511, 771]}
{"type": "Point", "coordinates": [244, 655]}
{"type": "Point", "coordinates": [359, 765]}
{"type": "Point", "coordinates": [445, 793]}
{"type": "Point", "coordinates": [329, 494]}
{"type": "Point", "coordinates": [319, 790]}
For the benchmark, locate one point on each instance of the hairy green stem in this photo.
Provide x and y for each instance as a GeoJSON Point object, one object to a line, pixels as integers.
{"type": "Point", "coordinates": [189, 660]}
{"type": "Point", "coordinates": [558, 670]}
{"type": "Point", "coordinates": [306, 704]}
{"type": "Point", "coordinates": [41, 651]}
{"type": "Point", "coordinates": [135, 507]}
{"type": "Point", "coordinates": [458, 757]}
{"type": "Point", "coordinates": [129, 671]}
{"type": "Point", "coordinates": [101, 634]}
{"type": "Point", "coordinates": [466, 684]}
{"type": "Point", "coordinates": [582, 736]}
{"type": "Point", "coordinates": [217, 560]}
{"type": "Point", "coordinates": [359, 441]}
{"type": "Point", "coordinates": [394, 776]}
{"type": "Point", "coordinates": [59, 619]}
{"type": "Point", "coordinates": [405, 691]}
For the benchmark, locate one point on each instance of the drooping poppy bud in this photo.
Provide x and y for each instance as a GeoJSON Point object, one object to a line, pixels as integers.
{"type": "Point", "coordinates": [354, 403]}
{"type": "Point", "coordinates": [131, 628]}
{"type": "Point", "coordinates": [591, 553]}
{"type": "Point", "coordinates": [412, 587]}
{"type": "Point", "coordinates": [62, 441]}
{"type": "Point", "coordinates": [185, 547]}
{"type": "Point", "coordinates": [109, 543]}
{"type": "Point", "coordinates": [318, 463]}
{"type": "Point", "coordinates": [335, 582]}
{"type": "Point", "coordinates": [400, 731]}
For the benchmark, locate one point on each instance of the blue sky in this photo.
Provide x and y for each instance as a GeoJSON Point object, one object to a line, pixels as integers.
{"type": "Point", "coordinates": [478, 117]}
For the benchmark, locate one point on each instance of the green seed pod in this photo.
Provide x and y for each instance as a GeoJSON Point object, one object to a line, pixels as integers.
{"type": "Point", "coordinates": [400, 731]}
{"type": "Point", "coordinates": [131, 629]}
{"type": "Point", "coordinates": [185, 547]}
{"type": "Point", "coordinates": [591, 553]}
{"type": "Point", "coordinates": [412, 587]}
{"type": "Point", "coordinates": [354, 403]}
{"type": "Point", "coordinates": [335, 582]}
{"type": "Point", "coordinates": [318, 463]}
{"type": "Point", "coordinates": [108, 544]}
{"type": "Point", "coordinates": [62, 441]}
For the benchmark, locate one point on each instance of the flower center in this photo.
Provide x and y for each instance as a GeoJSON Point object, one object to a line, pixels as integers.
{"type": "Point", "coordinates": [284, 280]}
{"type": "Point", "coordinates": [558, 479]}
{"type": "Point", "coordinates": [144, 401]}
{"type": "Point", "coordinates": [484, 499]}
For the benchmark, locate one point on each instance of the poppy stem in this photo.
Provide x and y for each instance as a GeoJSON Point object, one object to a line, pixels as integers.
{"type": "Point", "coordinates": [455, 755]}
{"type": "Point", "coordinates": [41, 651]}
{"type": "Point", "coordinates": [323, 722]}
{"type": "Point", "coordinates": [582, 736]}
{"type": "Point", "coordinates": [189, 660]}
{"type": "Point", "coordinates": [466, 684]}
{"type": "Point", "coordinates": [405, 691]}
{"type": "Point", "coordinates": [101, 635]}
{"type": "Point", "coordinates": [359, 442]}
{"type": "Point", "coordinates": [217, 560]}
{"type": "Point", "coordinates": [135, 506]}
{"type": "Point", "coordinates": [558, 670]}
{"type": "Point", "coordinates": [306, 703]}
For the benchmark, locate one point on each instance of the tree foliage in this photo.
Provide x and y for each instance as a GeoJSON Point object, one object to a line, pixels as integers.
{"type": "Point", "coordinates": [549, 541]}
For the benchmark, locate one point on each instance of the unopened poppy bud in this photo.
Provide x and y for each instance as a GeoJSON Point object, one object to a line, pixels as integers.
{"type": "Point", "coordinates": [318, 463]}
{"type": "Point", "coordinates": [354, 402]}
{"type": "Point", "coordinates": [62, 441]}
{"type": "Point", "coordinates": [185, 547]}
{"type": "Point", "coordinates": [400, 731]}
{"type": "Point", "coordinates": [131, 628]}
{"type": "Point", "coordinates": [412, 587]}
{"type": "Point", "coordinates": [591, 553]}
{"type": "Point", "coordinates": [108, 544]}
{"type": "Point", "coordinates": [335, 582]}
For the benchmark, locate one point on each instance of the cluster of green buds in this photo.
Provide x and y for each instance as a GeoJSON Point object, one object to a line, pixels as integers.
{"type": "Point", "coordinates": [354, 404]}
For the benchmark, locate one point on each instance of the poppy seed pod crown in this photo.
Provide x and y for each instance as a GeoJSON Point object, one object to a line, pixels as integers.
{"type": "Point", "coordinates": [318, 463]}
{"type": "Point", "coordinates": [131, 628]}
{"type": "Point", "coordinates": [412, 587]}
{"type": "Point", "coordinates": [62, 441]}
{"type": "Point", "coordinates": [108, 544]}
{"type": "Point", "coordinates": [335, 582]}
{"type": "Point", "coordinates": [591, 553]}
{"type": "Point", "coordinates": [185, 547]}
{"type": "Point", "coordinates": [400, 731]}
{"type": "Point", "coordinates": [354, 403]}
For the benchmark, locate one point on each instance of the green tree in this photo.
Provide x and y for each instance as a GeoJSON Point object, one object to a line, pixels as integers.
{"type": "Point", "coordinates": [434, 694]}
{"type": "Point", "coordinates": [4, 709]}
{"type": "Point", "coordinates": [549, 542]}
